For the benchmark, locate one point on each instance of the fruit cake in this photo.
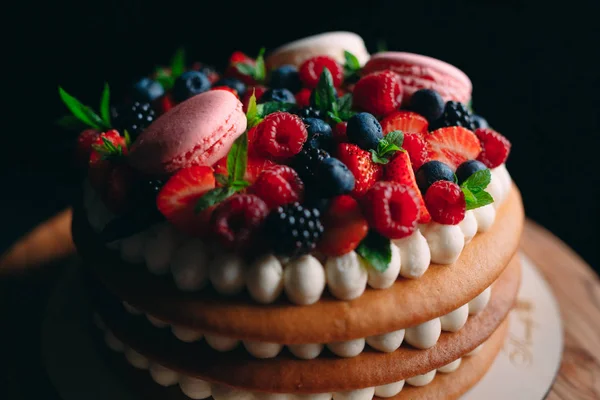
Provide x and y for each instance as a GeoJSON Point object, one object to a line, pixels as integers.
{"type": "Point", "coordinates": [318, 222]}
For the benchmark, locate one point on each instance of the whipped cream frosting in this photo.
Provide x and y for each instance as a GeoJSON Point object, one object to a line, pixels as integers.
{"type": "Point", "coordinates": [422, 336]}
{"type": "Point", "coordinates": [195, 388]}
{"type": "Point", "coordinates": [194, 265]}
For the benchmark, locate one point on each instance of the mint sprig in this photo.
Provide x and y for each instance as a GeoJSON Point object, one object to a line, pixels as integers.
{"type": "Point", "coordinates": [351, 66]}
{"type": "Point", "coordinates": [177, 67]}
{"type": "Point", "coordinates": [325, 99]}
{"type": "Point", "coordinates": [233, 182]}
{"type": "Point", "coordinates": [86, 114]}
{"type": "Point", "coordinates": [474, 189]}
{"type": "Point", "coordinates": [390, 144]}
{"type": "Point", "coordinates": [108, 150]}
{"type": "Point", "coordinates": [257, 112]}
{"type": "Point", "coordinates": [258, 71]}
{"type": "Point", "coordinates": [376, 250]}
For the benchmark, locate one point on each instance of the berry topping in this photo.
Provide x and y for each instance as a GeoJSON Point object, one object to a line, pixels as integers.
{"type": "Point", "coordinates": [417, 148]}
{"type": "Point", "coordinates": [308, 112]}
{"type": "Point", "coordinates": [391, 209]}
{"type": "Point", "coordinates": [134, 118]}
{"type": "Point", "coordinates": [178, 197]}
{"type": "Point", "coordinates": [334, 178]}
{"type": "Point", "coordinates": [495, 147]}
{"type": "Point", "coordinates": [428, 103]}
{"type": "Point", "coordinates": [232, 83]}
{"type": "Point", "coordinates": [379, 93]}
{"type": "Point", "coordinates": [405, 121]}
{"type": "Point", "coordinates": [364, 130]}
{"type": "Point", "coordinates": [227, 89]}
{"type": "Point", "coordinates": [278, 185]}
{"type": "Point", "coordinates": [360, 163]}
{"type": "Point", "coordinates": [431, 172]}
{"type": "Point", "coordinates": [281, 135]}
{"type": "Point", "coordinates": [278, 95]}
{"type": "Point", "coordinates": [147, 90]}
{"type": "Point", "coordinates": [306, 164]}
{"type": "Point", "coordinates": [303, 98]}
{"type": "Point", "coordinates": [236, 220]}
{"type": "Point", "coordinates": [239, 65]}
{"type": "Point", "coordinates": [400, 170]}
{"type": "Point", "coordinates": [85, 140]}
{"type": "Point", "coordinates": [345, 227]}
{"type": "Point", "coordinates": [468, 168]}
{"type": "Point", "coordinates": [256, 165]}
{"type": "Point", "coordinates": [189, 84]}
{"type": "Point", "coordinates": [453, 145]}
{"type": "Point", "coordinates": [340, 132]}
{"type": "Point", "coordinates": [446, 202]}
{"type": "Point", "coordinates": [311, 69]}
{"type": "Point", "coordinates": [320, 134]}
{"type": "Point", "coordinates": [479, 122]}
{"type": "Point", "coordinates": [294, 229]}
{"type": "Point", "coordinates": [455, 114]}
{"type": "Point", "coordinates": [286, 77]}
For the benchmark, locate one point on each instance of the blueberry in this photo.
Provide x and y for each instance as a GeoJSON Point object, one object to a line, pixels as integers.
{"type": "Point", "coordinates": [479, 122]}
{"type": "Point", "coordinates": [189, 84]}
{"type": "Point", "coordinates": [320, 134]}
{"type": "Point", "coordinates": [233, 83]}
{"type": "Point", "coordinates": [428, 103]}
{"type": "Point", "coordinates": [334, 178]}
{"type": "Point", "coordinates": [279, 95]}
{"type": "Point", "coordinates": [431, 172]}
{"type": "Point", "coordinates": [147, 90]}
{"type": "Point", "coordinates": [364, 130]}
{"type": "Point", "coordinates": [286, 77]}
{"type": "Point", "coordinates": [468, 168]}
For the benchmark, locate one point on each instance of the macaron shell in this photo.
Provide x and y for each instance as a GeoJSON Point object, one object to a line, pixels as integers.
{"type": "Point", "coordinates": [330, 44]}
{"type": "Point", "coordinates": [198, 131]}
{"type": "Point", "coordinates": [422, 72]}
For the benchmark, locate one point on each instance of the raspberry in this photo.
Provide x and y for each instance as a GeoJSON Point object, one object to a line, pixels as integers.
{"type": "Point", "coordinates": [303, 98]}
{"type": "Point", "coordinates": [392, 209]}
{"type": "Point", "coordinates": [379, 93]}
{"type": "Point", "coordinates": [311, 69]}
{"type": "Point", "coordinates": [294, 229]}
{"type": "Point", "coordinates": [236, 220]}
{"type": "Point", "coordinates": [339, 132]}
{"type": "Point", "coordinates": [278, 185]}
{"type": "Point", "coordinates": [445, 202]}
{"type": "Point", "coordinates": [495, 147]}
{"type": "Point", "coordinates": [417, 149]}
{"type": "Point", "coordinates": [281, 135]}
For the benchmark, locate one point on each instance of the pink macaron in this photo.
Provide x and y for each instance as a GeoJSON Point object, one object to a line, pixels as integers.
{"type": "Point", "coordinates": [199, 131]}
{"type": "Point", "coordinates": [422, 72]}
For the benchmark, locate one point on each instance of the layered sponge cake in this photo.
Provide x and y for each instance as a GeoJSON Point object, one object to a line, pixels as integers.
{"type": "Point", "coordinates": [324, 223]}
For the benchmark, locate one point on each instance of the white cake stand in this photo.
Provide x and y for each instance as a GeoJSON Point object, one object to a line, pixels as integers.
{"type": "Point", "coordinates": [524, 370]}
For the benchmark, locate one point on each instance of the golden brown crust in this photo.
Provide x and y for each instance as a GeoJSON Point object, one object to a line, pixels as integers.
{"type": "Point", "coordinates": [327, 373]}
{"type": "Point", "coordinates": [407, 303]}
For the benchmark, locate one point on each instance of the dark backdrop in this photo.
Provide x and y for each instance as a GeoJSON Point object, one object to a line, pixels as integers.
{"type": "Point", "coordinates": [533, 68]}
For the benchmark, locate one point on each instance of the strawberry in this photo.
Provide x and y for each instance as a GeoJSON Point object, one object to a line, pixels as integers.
{"type": "Point", "coordinates": [240, 58]}
{"type": "Point", "coordinates": [256, 165]}
{"type": "Point", "coordinates": [345, 227]}
{"type": "Point", "coordinates": [453, 145]}
{"type": "Point", "coordinates": [417, 148]}
{"type": "Point", "coordinates": [85, 140]}
{"type": "Point", "coordinates": [178, 197]}
{"type": "Point", "coordinates": [310, 71]}
{"type": "Point", "coordinates": [379, 93]}
{"type": "Point", "coordinates": [405, 121]}
{"type": "Point", "coordinates": [107, 147]}
{"type": "Point", "coordinates": [359, 162]}
{"type": "Point", "coordinates": [400, 170]}
{"type": "Point", "coordinates": [118, 188]}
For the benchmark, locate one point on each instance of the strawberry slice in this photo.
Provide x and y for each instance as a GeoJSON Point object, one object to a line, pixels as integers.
{"type": "Point", "coordinates": [345, 227]}
{"type": "Point", "coordinates": [178, 197]}
{"type": "Point", "coordinates": [405, 121]}
{"type": "Point", "coordinates": [256, 165]}
{"type": "Point", "coordinates": [360, 163]}
{"type": "Point", "coordinates": [400, 170]}
{"type": "Point", "coordinates": [453, 145]}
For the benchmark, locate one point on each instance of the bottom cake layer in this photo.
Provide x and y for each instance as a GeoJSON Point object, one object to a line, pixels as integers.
{"type": "Point", "coordinates": [448, 382]}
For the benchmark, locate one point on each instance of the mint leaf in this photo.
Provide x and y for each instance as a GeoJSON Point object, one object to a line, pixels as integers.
{"type": "Point", "coordinates": [334, 117]}
{"type": "Point", "coordinates": [213, 197]}
{"type": "Point", "coordinates": [70, 122]}
{"type": "Point", "coordinates": [239, 185]}
{"type": "Point", "coordinates": [245, 69]}
{"type": "Point", "coordinates": [127, 138]}
{"type": "Point", "coordinates": [82, 112]}
{"type": "Point", "coordinates": [387, 147]}
{"type": "Point", "coordinates": [376, 250]}
{"type": "Point", "coordinates": [270, 107]}
{"type": "Point", "coordinates": [395, 137]}
{"type": "Point", "coordinates": [222, 179]}
{"type": "Point", "coordinates": [105, 104]}
{"type": "Point", "coordinates": [378, 159]}
{"type": "Point", "coordinates": [352, 62]}
{"type": "Point", "coordinates": [345, 103]}
{"type": "Point", "coordinates": [260, 72]}
{"type": "Point", "coordinates": [164, 78]}
{"type": "Point", "coordinates": [469, 196]}
{"type": "Point", "coordinates": [478, 181]}
{"type": "Point", "coordinates": [474, 189]}
{"type": "Point", "coordinates": [252, 114]}
{"type": "Point", "coordinates": [325, 93]}
{"type": "Point", "coordinates": [178, 63]}
{"type": "Point", "coordinates": [237, 158]}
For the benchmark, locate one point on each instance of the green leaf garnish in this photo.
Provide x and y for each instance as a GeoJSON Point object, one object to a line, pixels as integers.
{"type": "Point", "coordinates": [222, 179]}
{"type": "Point", "coordinates": [70, 122]}
{"type": "Point", "coordinates": [376, 250]}
{"type": "Point", "coordinates": [105, 104]}
{"type": "Point", "coordinates": [334, 117]}
{"type": "Point", "coordinates": [178, 63]}
{"type": "Point", "coordinates": [351, 66]}
{"type": "Point", "coordinates": [474, 189]}
{"type": "Point", "coordinates": [245, 69]}
{"type": "Point", "coordinates": [258, 71]}
{"type": "Point", "coordinates": [395, 138]}
{"type": "Point", "coordinates": [252, 114]}
{"type": "Point", "coordinates": [82, 112]}
{"type": "Point", "coordinates": [387, 147]}
{"type": "Point", "coordinates": [108, 150]}
{"type": "Point", "coordinates": [237, 159]}
{"type": "Point", "coordinates": [127, 137]}
{"type": "Point", "coordinates": [213, 197]}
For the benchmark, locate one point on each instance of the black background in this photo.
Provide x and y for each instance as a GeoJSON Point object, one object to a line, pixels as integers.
{"type": "Point", "coordinates": [533, 66]}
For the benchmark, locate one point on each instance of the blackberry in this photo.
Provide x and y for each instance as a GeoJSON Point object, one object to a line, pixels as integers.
{"type": "Point", "coordinates": [308, 112]}
{"type": "Point", "coordinates": [134, 118]}
{"type": "Point", "coordinates": [306, 162]}
{"type": "Point", "coordinates": [455, 114]}
{"type": "Point", "coordinates": [294, 229]}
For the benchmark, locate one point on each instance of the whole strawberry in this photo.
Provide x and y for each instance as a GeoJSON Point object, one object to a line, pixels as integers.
{"type": "Point", "coordinates": [83, 149]}
{"type": "Point", "coordinates": [378, 93]}
{"type": "Point", "coordinates": [360, 163]}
